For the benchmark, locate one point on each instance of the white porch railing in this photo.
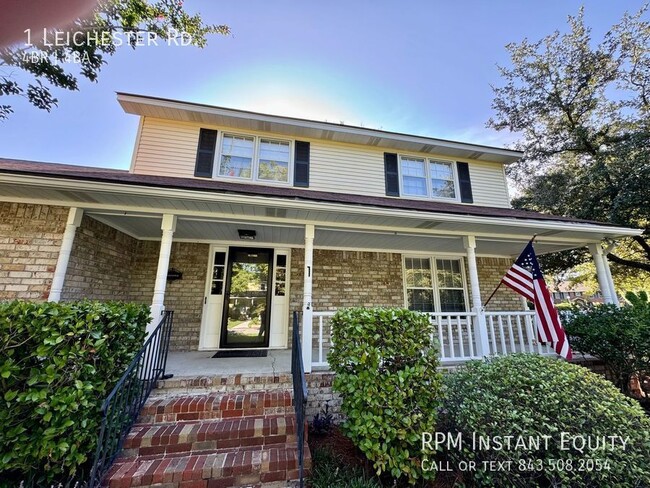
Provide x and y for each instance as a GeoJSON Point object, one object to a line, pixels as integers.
{"type": "Point", "coordinates": [322, 340]}
{"type": "Point", "coordinates": [511, 332]}
{"type": "Point", "coordinates": [455, 333]}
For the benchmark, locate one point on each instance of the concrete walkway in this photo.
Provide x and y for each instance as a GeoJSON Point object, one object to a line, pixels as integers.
{"type": "Point", "coordinates": [201, 363]}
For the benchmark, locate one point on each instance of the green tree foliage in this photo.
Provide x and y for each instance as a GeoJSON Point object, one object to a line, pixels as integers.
{"type": "Point", "coordinates": [620, 337]}
{"type": "Point", "coordinates": [386, 374]}
{"type": "Point", "coordinates": [32, 71]}
{"type": "Point", "coordinates": [529, 396]}
{"type": "Point", "coordinates": [582, 109]}
{"type": "Point", "coordinates": [58, 361]}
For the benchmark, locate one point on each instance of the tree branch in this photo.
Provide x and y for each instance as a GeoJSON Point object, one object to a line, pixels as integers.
{"type": "Point", "coordinates": [629, 262]}
{"type": "Point", "coordinates": [643, 243]}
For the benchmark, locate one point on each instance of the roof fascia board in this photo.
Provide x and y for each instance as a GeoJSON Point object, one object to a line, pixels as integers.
{"type": "Point", "coordinates": [76, 184]}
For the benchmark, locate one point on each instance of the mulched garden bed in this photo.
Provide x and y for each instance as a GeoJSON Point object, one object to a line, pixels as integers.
{"type": "Point", "coordinates": [349, 456]}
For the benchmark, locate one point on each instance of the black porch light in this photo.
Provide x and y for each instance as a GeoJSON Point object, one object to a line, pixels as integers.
{"type": "Point", "coordinates": [246, 234]}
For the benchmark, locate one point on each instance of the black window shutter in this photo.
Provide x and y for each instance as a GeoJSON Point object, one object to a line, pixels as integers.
{"type": "Point", "coordinates": [465, 183]}
{"type": "Point", "coordinates": [301, 164]}
{"type": "Point", "coordinates": [205, 153]}
{"type": "Point", "coordinates": [391, 174]}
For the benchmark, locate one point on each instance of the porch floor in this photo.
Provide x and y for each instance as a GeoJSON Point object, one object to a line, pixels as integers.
{"type": "Point", "coordinates": [201, 363]}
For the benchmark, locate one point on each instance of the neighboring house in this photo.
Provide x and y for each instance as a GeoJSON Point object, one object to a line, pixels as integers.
{"type": "Point", "coordinates": [567, 292]}
{"type": "Point", "coordinates": [263, 215]}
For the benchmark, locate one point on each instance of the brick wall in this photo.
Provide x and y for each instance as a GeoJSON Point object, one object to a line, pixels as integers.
{"type": "Point", "coordinates": [356, 278]}
{"type": "Point", "coordinates": [490, 272]}
{"type": "Point", "coordinates": [348, 279]}
{"type": "Point", "coordinates": [100, 263]}
{"type": "Point", "coordinates": [30, 238]}
{"type": "Point", "coordinates": [184, 297]}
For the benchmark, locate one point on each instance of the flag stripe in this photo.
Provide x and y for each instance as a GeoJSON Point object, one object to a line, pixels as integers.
{"type": "Point", "coordinates": [531, 285]}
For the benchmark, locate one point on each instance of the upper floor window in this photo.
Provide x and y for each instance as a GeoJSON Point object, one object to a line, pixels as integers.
{"type": "Point", "coordinates": [430, 178]}
{"type": "Point", "coordinates": [255, 158]}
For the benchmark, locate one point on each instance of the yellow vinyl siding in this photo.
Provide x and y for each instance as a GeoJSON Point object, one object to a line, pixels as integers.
{"type": "Point", "coordinates": [489, 185]}
{"type": "Point", "coordinates": [168, 148]}
{"type": "Point", "coordinates": [346, 169]}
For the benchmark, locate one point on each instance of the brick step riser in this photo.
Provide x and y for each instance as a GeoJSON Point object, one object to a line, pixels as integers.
{"type": "Point", "coordinates": [215, 470]}
{"type": "Point", "coordinates": [244, 428]}
{"type": "Point", "coordinates": [163, 418]}
{"type": "Point", "coordinates": [230, 384]}
{"type": "Point", "coordinates": [205, 447]}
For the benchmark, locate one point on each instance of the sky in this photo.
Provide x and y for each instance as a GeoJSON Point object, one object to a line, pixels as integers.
{"type": "Point", "coordinates": [419, 67]}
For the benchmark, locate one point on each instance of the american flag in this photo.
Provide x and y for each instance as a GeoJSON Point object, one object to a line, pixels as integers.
{"type": "Point", "coordinates": [525, 278]}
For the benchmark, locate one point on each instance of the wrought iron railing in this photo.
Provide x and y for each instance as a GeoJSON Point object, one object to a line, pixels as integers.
{"type": "Point", "coordinates": [299, 395]}
{"type": "Point", "coordinates": [122, 406]}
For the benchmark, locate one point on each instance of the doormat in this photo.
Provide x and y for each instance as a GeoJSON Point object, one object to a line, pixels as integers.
{"type": "Point", "coordinates": [241, 354]}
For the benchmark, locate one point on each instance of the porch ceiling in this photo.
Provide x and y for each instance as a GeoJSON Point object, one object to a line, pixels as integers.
{"type": "Point", "coordinates": [147, 227]}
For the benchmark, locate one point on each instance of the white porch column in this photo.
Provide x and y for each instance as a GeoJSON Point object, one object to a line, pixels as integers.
{"type": "Point", "coordinates": [482, 343]}
{"type": "Point", "coordinates": [307, 309]}
{"type": "Point", "coordinates": [603, 281]}
{"type": "Point", "coordinates": [74, 221]}
{"type": "Point", "coordinates": [168, 227]}
{"type": "Point", "coordinates": [610, 280]}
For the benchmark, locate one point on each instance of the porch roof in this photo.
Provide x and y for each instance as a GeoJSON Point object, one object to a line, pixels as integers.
{"type": "Point", "coordinates": [211, 211]}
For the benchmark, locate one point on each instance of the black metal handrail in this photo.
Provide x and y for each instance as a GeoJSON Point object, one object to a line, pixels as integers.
{"type": "Point", "coordinates": [299, 394]}
{"type": "Point", "coordinates": [122, 406]}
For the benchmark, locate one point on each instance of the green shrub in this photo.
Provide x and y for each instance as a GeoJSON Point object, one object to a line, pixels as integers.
{"type": "Point", "coordinates": [530, 396]}
{"type": "Point", "coordinates": [58, 361]}
{"type": "Point", "coordinates": [386, 374]}
{"type": "Point", "coordinates": [331, 471]}
{"type": "Point", "coordinates": [620, 337]}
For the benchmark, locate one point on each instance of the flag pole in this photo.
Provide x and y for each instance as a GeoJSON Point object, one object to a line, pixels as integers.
{"type": "Point", "coordinates": [501, 282]}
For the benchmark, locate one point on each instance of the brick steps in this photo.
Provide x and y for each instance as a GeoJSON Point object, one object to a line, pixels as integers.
{"type": "Point", "coordinates": [236, 383]}
{"type": "Point", "coordinates": [242, 467]}
{"type": "Point", "coordinates": [197, 436]}
{"type": "Point", "coordinates": [211, 439]}
{"type": "Point", "coordinates": [215, 406]}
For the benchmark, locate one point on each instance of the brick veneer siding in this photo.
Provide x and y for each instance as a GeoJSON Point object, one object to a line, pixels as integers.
{"type": "Point", "coordinates": [356, 278]}
{"type": "Point", "coordinates": [100, 263]}
{"type": "Point", "coordinates": [184, 297]}
{"type": "Point", "coordinates": [30, 239]}
{"type": "Point", "coordinates": [348, 279]}
{"type": "Point", "coordinates": [490, 272]}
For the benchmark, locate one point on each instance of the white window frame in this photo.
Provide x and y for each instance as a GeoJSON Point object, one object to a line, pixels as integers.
{"type": "Point", "coordinates": [255, 163]}
{"type": "Point", "coordinates": [427, 175]}
{"type": "Point", "coordinates": [434, 279]}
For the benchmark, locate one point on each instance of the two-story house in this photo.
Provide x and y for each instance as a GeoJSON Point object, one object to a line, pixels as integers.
{"type": "Point", "coordinates": [235, 219]}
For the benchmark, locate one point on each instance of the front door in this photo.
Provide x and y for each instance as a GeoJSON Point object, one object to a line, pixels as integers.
{"type": "Point", "coordinates": [247, 298]}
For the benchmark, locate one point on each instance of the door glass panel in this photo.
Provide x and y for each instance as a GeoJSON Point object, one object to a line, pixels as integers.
{"type": "Point", "coordinates": [218, 273]}
{"type": "Point", "coordinates": [248, 299]}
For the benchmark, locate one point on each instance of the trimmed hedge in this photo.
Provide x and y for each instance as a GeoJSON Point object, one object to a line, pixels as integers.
{"type": "Point", "coordinates": [58, 361]}
{"type": "Point", "coordinates": [529, 396]}
{"type": "Point", "coordinates": [386, 374]}
{"type": "Point", "coordinates": [619, 336]}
